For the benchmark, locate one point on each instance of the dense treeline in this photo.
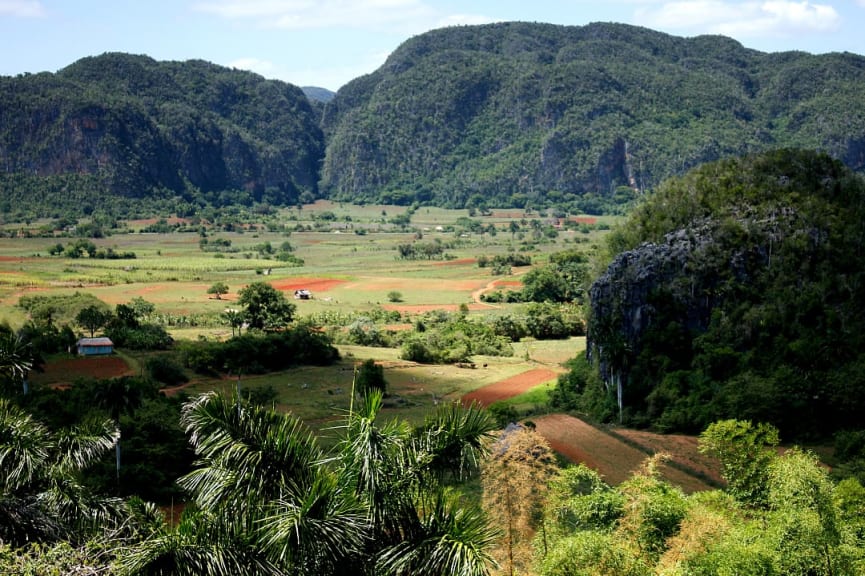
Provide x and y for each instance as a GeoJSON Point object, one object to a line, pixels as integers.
{"type": "Point", "coordinates": [174, 134]}
{"type": "Point", "coordinates": [524, 114]}
{"type": "Point", "coordinates": [580, 119]}
{"type": "Point", "coordinates": [735, 291]}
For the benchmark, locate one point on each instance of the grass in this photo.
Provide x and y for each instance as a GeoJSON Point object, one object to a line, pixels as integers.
{"type": "Point", "coordinates": [172, 272]}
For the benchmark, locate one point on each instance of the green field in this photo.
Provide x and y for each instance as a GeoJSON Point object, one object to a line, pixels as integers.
{"type": "Point", "coordinates": [350, 264]}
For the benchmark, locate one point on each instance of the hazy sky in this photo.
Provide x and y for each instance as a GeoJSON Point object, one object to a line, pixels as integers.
{"type": "Point", "coordinates": [328, 42]}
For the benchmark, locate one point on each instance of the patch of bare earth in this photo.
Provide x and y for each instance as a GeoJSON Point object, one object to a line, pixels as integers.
{"type": "Point", "coordinates": [68, 370]}
{"type": "Point", "coordinates": [615, 460]}
{"type": "Point", "coordinates": [682, 448]}
{"type": "Point", "coordinates": [513, 386]}
{"type": "Point", "coordinates": [312, 284]}
{"type": "Point", "coordinates": [616, 456]}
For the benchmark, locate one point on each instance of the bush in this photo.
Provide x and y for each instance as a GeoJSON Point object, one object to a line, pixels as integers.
{"type": "Point", "coordinates": [257, 352]}
{"type": "Point", "coordinates": [166, 370]}
{"type": "Point", "coordinates": [143, 337]}
{"type": "Point", "coordinates": [369, 378]}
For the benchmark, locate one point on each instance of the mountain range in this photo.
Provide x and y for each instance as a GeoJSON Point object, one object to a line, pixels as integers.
{"type": "Point", "coordinates": [581, 118]}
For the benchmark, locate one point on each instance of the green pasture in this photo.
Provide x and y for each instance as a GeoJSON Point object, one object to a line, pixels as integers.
{"type": "Point", "coordinates": [171, 271]}
{"type": "Point", "coordinates": [318, 395]}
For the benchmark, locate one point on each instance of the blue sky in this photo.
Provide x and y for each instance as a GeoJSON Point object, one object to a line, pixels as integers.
{"type": "Point", "coordinates": [328, 42]}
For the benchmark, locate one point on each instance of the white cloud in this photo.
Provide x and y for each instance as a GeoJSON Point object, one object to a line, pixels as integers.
{"type": "Point", "coordinates": [747, 19]}
{"type": "Point", "coordinates": [22, 8]}
{"type": "Point", "coordinates": [262, 67]}
{"type": "Point", "coordinates": [405, 16]}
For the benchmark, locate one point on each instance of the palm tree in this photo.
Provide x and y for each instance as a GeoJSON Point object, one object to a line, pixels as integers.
{"type": "Point", "coordinates": [264, 500]}
{"type": "Point", "coordinates": [267, 500]}
{"type": "Point", "coordinates": [418, 527]}
{"type": "Point", "coordinates": [16, 359]}
{"type": "Point", "coordinates": [40, 496]}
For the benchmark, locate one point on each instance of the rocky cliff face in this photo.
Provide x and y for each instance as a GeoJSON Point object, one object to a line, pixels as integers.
{"type": "Point", "coordinates": [743, 298]}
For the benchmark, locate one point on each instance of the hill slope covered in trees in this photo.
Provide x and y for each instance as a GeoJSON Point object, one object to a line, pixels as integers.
{"type": "Point", "coordinates": [516, 114]}
{"type": "Point", "coordinates": [118, 127]}
{"type": "Point", "coordinates": [538, 114]}
{"type": "Point", "coordinates": [736, 291]}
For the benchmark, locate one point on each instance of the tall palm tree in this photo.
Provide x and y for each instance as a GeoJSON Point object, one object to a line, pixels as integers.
{"type": "Point", "coordinates": [267, 500]}
{"type": "Point", "coordinates": [418, 527]}
{"type": "Point", "coordinates": [264, 501]}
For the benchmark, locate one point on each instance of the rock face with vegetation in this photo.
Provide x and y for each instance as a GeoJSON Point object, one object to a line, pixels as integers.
{"type": "Point", "coordinates": [736, 291]}
{"type": "Point", "coordinates": [119, 126]}
{"type": "Point", "coordinates": [536, 114]}
{"type": "Point", "coordinates": [511, 114]}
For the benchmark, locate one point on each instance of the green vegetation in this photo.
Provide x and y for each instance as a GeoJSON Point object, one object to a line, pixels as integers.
{"type": "Point", "coordinates": [735, 292]}
{"type": "Point", "coordinates": [802, 524]}
{"type": "Point", "coordinates": [119, 134]}
{"type": "Point", "coordinates": [573, 119]}
{"type": "Point", "coordinates": [583, 119]}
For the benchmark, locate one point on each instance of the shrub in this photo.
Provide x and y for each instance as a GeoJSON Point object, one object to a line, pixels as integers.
{"type": "Point", "coordinates": [370, 377]}
{"type": "Point", "coordinates": [165, 369]}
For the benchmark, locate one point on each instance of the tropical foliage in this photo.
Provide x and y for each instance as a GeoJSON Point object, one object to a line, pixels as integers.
{"type": "Point", "coordinates": [735, 292]}
{"type": "Point", "coordinates": [581, 118]}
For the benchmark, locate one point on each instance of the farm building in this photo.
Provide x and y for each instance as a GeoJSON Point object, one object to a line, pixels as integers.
{"type": "Point", "coordinates": [95, 346]}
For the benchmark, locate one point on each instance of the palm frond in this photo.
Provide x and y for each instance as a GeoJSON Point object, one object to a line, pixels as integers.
{"type": "Point", "coordinates": [25, 447]}
{"type": "Point", "coordinates": [248, 454]}
{"type": "Point", "coordinates": [455, 539]}
{"type": "Point", "coordinates": [456, 436]}
{"type": "Point", "coordinates": [200, 544]}
{"type": "Point", "coordinates": [313, 528]}
{"type": "Point", "coordinates": [80, 447]}
{"type": "Point", "coordinates": [16, 357]}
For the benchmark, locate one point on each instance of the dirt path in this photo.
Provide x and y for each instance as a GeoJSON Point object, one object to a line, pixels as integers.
{"type": "Point", "coordinates": [492, 285]}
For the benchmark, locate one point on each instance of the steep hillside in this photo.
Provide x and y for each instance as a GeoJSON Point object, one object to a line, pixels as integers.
{"type": "Point", "coordinates": [737, 291]}
{"type": "Point", "coordinates": [537, 114]}
{"type": "Point", "coordinates": [122, 126]}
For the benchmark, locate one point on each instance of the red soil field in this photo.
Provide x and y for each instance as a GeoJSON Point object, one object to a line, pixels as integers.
{"type": "Point", "coordinates": [513, 386]}
{"type": "Point", "coordinates": [583, 219]}
{"type": "Point", "coordinates": [312, 284]}
{"type": "Point", "coordinates": [684, 448]}
{"type": "Point", "coordinates": [68, 370]}
{"type": "Point", "coordinates": [608, 453]}
{"type": "Point", "coordinates": [612, 458]}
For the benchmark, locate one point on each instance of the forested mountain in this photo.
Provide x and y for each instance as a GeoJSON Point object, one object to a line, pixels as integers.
{"type": "Point", "coordinates": [736, 291]}
{"type": "Point", "coordinates": [123, 126]}
{"type": "Point", "coordinates": [518, 114]}
{"type": "Point", "coordinates": [539, 114]}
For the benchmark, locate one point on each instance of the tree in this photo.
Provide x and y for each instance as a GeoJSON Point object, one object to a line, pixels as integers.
{"type": "Point", "coordinates": [235, 319]}
{"type": "Point", "coordinates": [745, 451]}
{"type": "Point", "coordinates": [264, 500]}
{"type": "Point", "coordinates": [417, 526]}
{"type": "Point", "coordinates": [394, 296]}
{"type": "Point", "coordinates": [218, 290]}
{"type": "Point", "coordinates": [266, 308]}
{"type": "Point", "coordinates": [515, 482]}
{"type": "Point", "coordinates": [16, 360]}
{"type": "Point", "coordinates": [92, 318]}
{"type": "Point", "coordinates": [41, 496]}
{"type": "Point", "coordinates": [369, 377]}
